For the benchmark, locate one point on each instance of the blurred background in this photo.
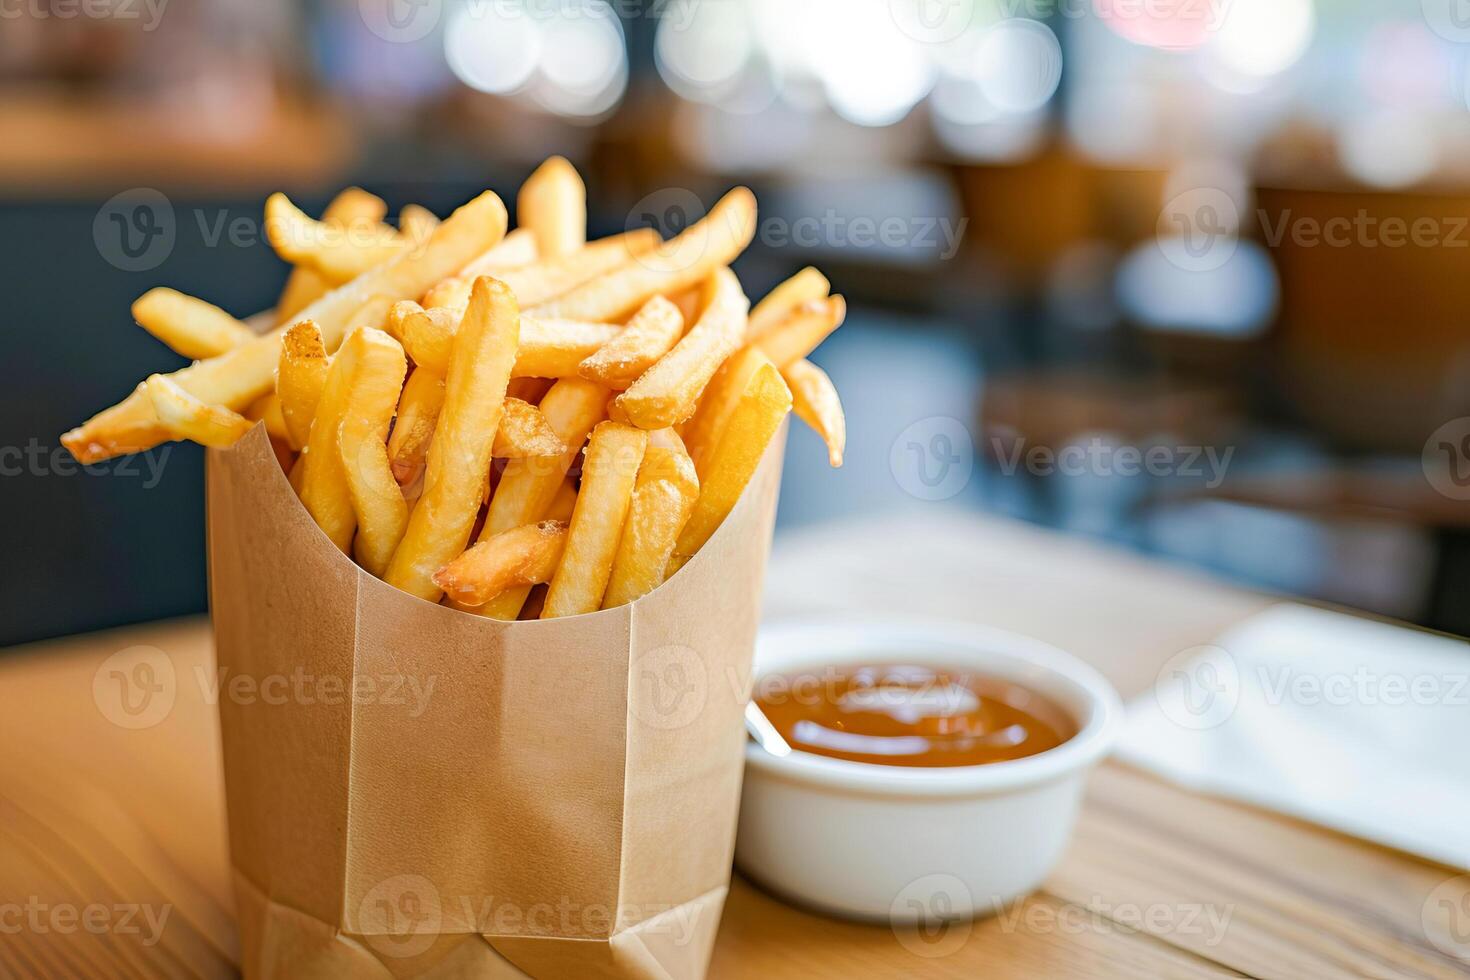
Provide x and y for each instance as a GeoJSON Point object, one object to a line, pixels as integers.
{"type": "Point", "coordinates": [1189, 276]}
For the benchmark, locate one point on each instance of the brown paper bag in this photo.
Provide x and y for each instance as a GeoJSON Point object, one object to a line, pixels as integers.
{"type": "Point", "coordinates": [414, 791]}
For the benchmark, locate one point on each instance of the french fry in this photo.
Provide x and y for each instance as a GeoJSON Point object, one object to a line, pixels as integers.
{"type": "Point", "coordinates": [682, 262]}
{"type": "Point", "coordinates": [453, 293]}
{"type": "Point", "coordinates": [417, 223]}
{"type": "Point", "coordinates": [763, 405]}
{"type": "Point", "coordinates": [515, 251]}
{"type": "Point", "coordinates": [547, 279]}
{"type": "Point", "coordinates": [530, 390]}
{"type": "Point", "coordinates": [806, 286]}
{"type": "Point", "coordinates": [300, 375]}
{"type": "Point", "coordinates": [338, 253]}
{"type": "Point", "coordinates": [305, 286]}
{"type": "Point", "coordinates": [721, 398]}
{"type": "Point", "coordinates": [186, 417]}
{"type": "Point", "coordinates": [528, 487]}
{"type": "Point", "coordinates": [521, 557]}
{"type": "Point", "coordinates": [553, 205]}
{"type": "Point", "coordinates": [690, 303]}
{"type": "Point", "coordinates": [372, 395]}
{"type": "Point", "coordinates": [189, 326]}
{"type": "Point", "coordinates": [459, 456]}
{"type": "Point", "coordinates": [563, 503]}
{"type": "Point", "coordinates": [668, 392]}
{"type": "Point", "coordinates": [549, 348]}
{"type": "Point", "coordinates": [418, 413]}
{"type": "Point", "coordinates": [322, 482]}
{"type": "Point", "coordinates": [267, 409]}
{"type": "Point", "coordinates": [815, 400]}
{"type": "Point", "coordinates": [238, 377]}
{"type": "Point", "coordinates": [609, 474]}
{"type": "Point", "coordinates": [652, 333]}
{"type": "Point", "coordinates": [799, 334]}
{"type": "Point", "coordinates": [524, 432]}
{"type": "Point", "coordinates": [663, 499]}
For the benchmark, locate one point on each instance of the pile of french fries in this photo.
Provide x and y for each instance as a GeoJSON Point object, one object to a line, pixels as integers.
{"type": "Point", "coordinates": [521, 424]}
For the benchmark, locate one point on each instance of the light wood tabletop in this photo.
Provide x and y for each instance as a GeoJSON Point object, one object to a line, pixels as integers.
{"type": "Point", "coordinates": [113, 846]}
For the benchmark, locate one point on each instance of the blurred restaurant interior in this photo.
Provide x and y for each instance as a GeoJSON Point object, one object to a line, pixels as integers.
{"type": "Point", "coordinates": [1191, 277]}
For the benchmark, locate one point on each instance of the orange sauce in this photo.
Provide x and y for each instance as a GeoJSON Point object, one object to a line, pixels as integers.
{"type": "Point", "coordinates": [905, 715]}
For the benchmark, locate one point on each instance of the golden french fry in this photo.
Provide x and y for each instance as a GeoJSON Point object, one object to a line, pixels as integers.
{"type": "Point", "coordinates": [338, 253]}
{"type": "Point", "coordinates": [553, 205]}
{"type": "Point", "coordinates": [372, 395]}
{"type": "Point", "coordinates": [804, 287]}
{"type": "Point", "coordinates": [452, 292]}
{"type": "Point", "coordinates": [190, 326]}
{"type": "Point", "coordinates": [614, 453]}
{"type": "Point", "coordinates": [186, 417]}
{"type": "Point", "coordinates": [417, 223]}
{"type": "Point", "coordinates": [663, 499]}
{"type": "Point", "coordinates": [524, 432]}
{"type": "Point", "coordinates": [800, 333]}
{"type": "Point", "coordinates": [459, 457]}
{"type": "Point", "coordinates": [530, 390]}
{"type": "Point", "coordinates": [549, 348]}
{"type": "Point", "coordinates": [690, 303]}
{"type": "Point", "coordinates": [763, 405]}
{"type": "Point", "coordinates": [515, 251]}
{"type": "Point", "coordinates": [814, 399]}
{"type": "Point", "coordinates": [305, 286]}
{"type": "Point", "coordinates": [418, 413]}
{"type": "Point", "coordinates": [300, 375]}
{"type": "Point", "coordinates": [563, 503]}
{"type": "Point", "coordinates": [528, 487]}
{"type": "Point", "coordinates": [238, 377]}
{"type": "Point", "coordinates": [668, 392]}
{"type": "Point", "coordinates": [521, 557]}
{"type": "Point", "coordinates": [682, 262]}
{"type": "Point", "coordinates": [652, 333]}
{"type": "Point", "coordinates": [721, 398]}
{"type": "Point", "coordinates": [547, 279]}
{"type": "Point", "coordinates": [267, 409]}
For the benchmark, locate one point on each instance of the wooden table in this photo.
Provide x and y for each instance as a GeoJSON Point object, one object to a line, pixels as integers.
{"type": "Point", "coordinates": [97, 820]}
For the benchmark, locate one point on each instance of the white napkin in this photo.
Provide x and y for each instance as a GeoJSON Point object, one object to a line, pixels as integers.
{"type": "Point", "coordinates": [1353, 724]}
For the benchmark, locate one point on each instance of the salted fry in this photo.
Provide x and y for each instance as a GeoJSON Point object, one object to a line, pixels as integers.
{"type": "Point", "coordinates": [338, 253]}
{"type": "Point", "coordinates": [663, 499]}
{"type": "Point", "coordinates": [682, 262]}
{"type": "Point", "coordinates": [372, 395]}
{"type": "Point", "coordinates": [189, 326]}
{"type": "Point", "coordinates": [238, 377]}
{"type": "Point", "coordinates": [521, 557]}
{"type": "Point", "coordinates": [609, 474]}
{"type": "Point", "coordinates": [668, 392]}
{"type": "Point", "coordinates": [305, 285]}
{"type": "Point", "coordinates": [763, 405]}
{"type": "Point", "coordinates": [418, 413]}
{"type": "Point", "coordinates": [547, 279]}
{"type": "Point", "coordinates": [300, 375]}
{"type": "Point", "coordinates": [814, 399]}
{"type": "Point", "coordinates": [800, 333]}
{"type": "Point", "coordinates": [549, 348]}
{"type": "Point", "coordinates": [563, 503]}
{"type": "Point", "coordinates": [652, 333]}
{"type": "Point", "coordinates": [524, 432]}
{"type": "Point", "coordinates": [806, 286]}
{"type": "Point", "coordinates": [459, 457]}
{"type": "Point", "coordinates": [186, 417]}
{"type": "Point", "coordinates": [553, 205]}
{"type": "Point", "coordinates": [416, 222]}
{"type": "Point", "coordinates": [528, 487]}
